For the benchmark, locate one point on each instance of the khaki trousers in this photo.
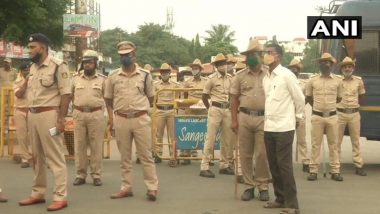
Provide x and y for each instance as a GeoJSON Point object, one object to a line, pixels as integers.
{"type": "Point", "coordinates": [319, 126]}
{"type": "Point", "coordinates": [301, 141]}
{"type": "Point", "coordinates": [89, 132]}
{"type": "Point", "coordinates": [21, 124]}
{"type": "Point", "coordinates": [353, 123]}
{"type": "Point", "coordinates": [251, 143]}
{"type": "Point", "coordinates": [218, 118]}
{"type": "Point", "coordinates": [139, 130]}
{"type": "Point", "coordinates": [48, 151]}
{"type": "Point", "coordinates": [163, 119]}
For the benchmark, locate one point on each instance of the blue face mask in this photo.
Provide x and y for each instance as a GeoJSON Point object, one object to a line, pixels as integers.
{"type": "Point", "coordinates": [126, 60]}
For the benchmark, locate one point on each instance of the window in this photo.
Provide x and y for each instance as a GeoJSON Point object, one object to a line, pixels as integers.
{"type": "Point", "coordinates": [367, 53]}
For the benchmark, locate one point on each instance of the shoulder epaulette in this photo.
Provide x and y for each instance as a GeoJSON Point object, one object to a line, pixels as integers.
{"type": "Point", "coordinates": [357, 77]}
{"type": "Point", "coordinates": [241, 71]}
{"type": "Point", "coordinates": [314, 75]}
{"type": "Point", "coordinates": [113, 72]}
{"type": "Point", "coordinates": [57, 61]}
{"type": "Point", "coordinates": [101, 75]}
{"type": "Point", "coordinates": [174, 82]}
{"type": "Point", "coordinates": [143, 70]}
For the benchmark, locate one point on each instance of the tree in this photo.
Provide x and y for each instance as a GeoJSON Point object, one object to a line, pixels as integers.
{"type": "Point", "coordinates": [219, 40]}
{"type": "Point", "coordinates": [108, 42]}
{"type": "Point", "coordinates": [311, 53]}
{"type": "Point", "coordinates": [20, 18]}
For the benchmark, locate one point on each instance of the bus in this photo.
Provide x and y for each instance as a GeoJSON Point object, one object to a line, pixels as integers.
{"type": "Point", "coordinates": [366, 51]}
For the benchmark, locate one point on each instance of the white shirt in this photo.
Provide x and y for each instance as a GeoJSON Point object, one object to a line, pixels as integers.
{"type": "Point", "coordinates": [284, 100]}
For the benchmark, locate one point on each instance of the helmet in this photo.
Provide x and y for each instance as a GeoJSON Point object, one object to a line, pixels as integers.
{"type": "Point", "coordinates": [90, 54]}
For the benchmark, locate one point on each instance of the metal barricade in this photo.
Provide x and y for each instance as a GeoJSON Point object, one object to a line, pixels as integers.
{"type": "Point", "coordinates": [7, 129]}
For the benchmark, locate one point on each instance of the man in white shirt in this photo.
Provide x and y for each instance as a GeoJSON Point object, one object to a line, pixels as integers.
{"type": "Point", "coordinates": [284, 106]}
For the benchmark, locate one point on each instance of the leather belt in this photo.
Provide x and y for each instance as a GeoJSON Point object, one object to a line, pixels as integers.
{"type": "Point", "coordinates": [87, 108]}
{"type": "Point", "coordinates": [220, 105]}
{"type": "Point", "coordinates": [324, 114]}
{"type": "Point", "coordinates": [132, 114]}
{"type": "Point", "coordinates": [251, 112]}
{"type": "Point", "coordinates": [37, 110]}
{"type": "Point", "coordinates": [25, 110]}
{"type": "Point", "coordinates": [348, 110]}
{"type": "Point", "coordinates": [165, 107]}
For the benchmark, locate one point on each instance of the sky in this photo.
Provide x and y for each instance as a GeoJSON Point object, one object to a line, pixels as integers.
{"type": "Point", "coordinates": [284, 18]}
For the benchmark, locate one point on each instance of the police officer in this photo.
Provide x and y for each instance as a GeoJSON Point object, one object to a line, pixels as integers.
{"type": "Point", "coordinates": [7, 73]}
{"type": "Point", "coordinates": [248, 98]}
{"type": "Point", "coordinates": [323, 92]}
{"type": "Point", "coordinates": [239, 66]}
{"type": "Point", "coordinates": [296, 67]}
{"type": "Point", "coordinates": [219, 116]}
{"type": "Point", "coordinates": [21, 112]}
{"type": "Point", "coordinates": [196, 82]}
{"type": "Point", "coordinates": [50, 88]}
{"type": "Point", "coordinates": [128, 94]}
{"type": "Point", "coordinates": [231, 62]}
{"type": "Point", "coordinates": [164, 116]}
{"type": "Point", "coordinates": [348, 111]}
{"type": "Point", "coordinates": [88, 105]}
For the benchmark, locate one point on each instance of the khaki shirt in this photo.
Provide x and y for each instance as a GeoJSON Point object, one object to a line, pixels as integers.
{"type": "Point", "coordinates": [325, 91]}
{"type": "Point", "coordinates": [127, 91]}
{"type": "Point", "coordinates": [21, 102]}
{"type": "Point", "coordinates": [88, 91]}
{"type": "Point", "coordinates": [165, 97]}
{"type": "Point", "coordinates": [194, 83]}
{"type": "Point", "coordinates": [46, 90]}
{"type": "Point", "coordinates": [7, 77]}
{"type": "Point", "coordinates": [352, 88]}
{"type": "Point", "coordinates": [302, 84]}
{"type": "Point", "coordinates": [218, 87]}
{"type": "Point", "coordinates": [249, 87]}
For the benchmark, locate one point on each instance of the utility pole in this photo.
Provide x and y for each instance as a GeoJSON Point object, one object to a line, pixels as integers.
{"type": "Point", "coordinates": [80, 43]}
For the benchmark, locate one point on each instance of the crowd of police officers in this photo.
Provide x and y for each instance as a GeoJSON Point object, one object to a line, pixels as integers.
{"type": "Point", "coordinates": [44, 90]}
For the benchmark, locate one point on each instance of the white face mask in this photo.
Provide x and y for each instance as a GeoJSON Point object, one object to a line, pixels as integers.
{"type": "Point", "coordinates": [347, 74]}
{"type": "Point", "coordinates": [165, 77]}
{"type": "Point", "coordinates": [195, 72]}
{"type": "Point", "coordinates": [268, 59]}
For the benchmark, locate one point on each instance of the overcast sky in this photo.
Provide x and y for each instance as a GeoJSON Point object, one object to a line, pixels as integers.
{"type": "Point", "coordinates": [284, 18]}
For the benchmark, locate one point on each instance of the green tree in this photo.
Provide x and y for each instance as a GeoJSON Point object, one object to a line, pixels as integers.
{"type": "Point", "coordinates": [310, 54]}
{"type": "Point", "coordinates": [19, 18]}
{"type": "Point", "coordinates": [219, 40]}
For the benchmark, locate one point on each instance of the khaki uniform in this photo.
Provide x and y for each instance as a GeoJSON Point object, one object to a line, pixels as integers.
{"type": "Point", "coordinates": [218, 117]}
{"type": "Point", "coordinates": [249, 87]}
{"type": "Point", "coordinates": [301, 132]}
{"type": "Point", "coordinates": [348, 115]}
{"type": "Point", "coordinates": [90, 123]}
{"type": "Point", "coordinates": [325, 91]}
{"type": "Point", "coordinates": [129, 95]}
{"type": "Point", "coordinates": [164, 116]}
{"type": "Point", "coordinates": [20, 118]}
{"type": "Point", "coordinates": [7, 77]}
{"type": "Point", "coordinates": [47, 87]}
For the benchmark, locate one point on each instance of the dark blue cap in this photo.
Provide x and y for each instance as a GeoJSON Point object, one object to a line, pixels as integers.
{"type": "Point", "coordinates": [39, 37]}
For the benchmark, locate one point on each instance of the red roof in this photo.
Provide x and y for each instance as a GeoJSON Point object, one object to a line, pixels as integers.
{"type": "Point", "coordinates": [299, 39]}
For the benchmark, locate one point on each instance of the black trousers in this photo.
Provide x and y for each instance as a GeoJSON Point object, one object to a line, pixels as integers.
{"type": "Point", "coordinates": [279, 152]}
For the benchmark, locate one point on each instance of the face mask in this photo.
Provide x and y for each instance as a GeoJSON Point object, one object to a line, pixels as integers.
{"type": "Point", "coordinates": [324, 68]}
{"type": "Point", "coordinates": [252, 61]}
{"type": "Point", "coordinates": [230, 68]}
{"type": "Point", "coordinates": [222, 69]}
{"type": "Point", "coordinates": [347, 74]}
{"type": "Point", "coordinates": [165, 77]}
{"type": "Point", "coordinates": [268, 59]}
{"type": "Point", "coordinates": [196, 72]}
{"type": "Point", "coordinates": [36, 58]}
{"type": "Point", "coordinates": [89, 72]}
{"type": "Point", "coordinates": [126, 60]}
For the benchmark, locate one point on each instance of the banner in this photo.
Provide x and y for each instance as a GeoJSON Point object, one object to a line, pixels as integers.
{"type": "Point", "coordinates": [11, 50]}
{"type": "Point", "coordinates": [191, 132]}
{"type": "Point", "coordinates": [81, 25]}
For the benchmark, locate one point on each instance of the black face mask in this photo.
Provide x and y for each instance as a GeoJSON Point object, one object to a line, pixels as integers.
{"type": "Point", "coordinates": [36, 58]}
{"type": "Point", "coordinates": [89, 72]}
{"type": "Point", "coordinates": [324, 68]}
{"type": "Point", "coordinates": [126, 60]}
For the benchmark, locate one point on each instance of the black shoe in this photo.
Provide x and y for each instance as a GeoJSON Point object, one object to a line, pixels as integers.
{"type": "Point", "coordinates": [312, 177]}
{"type": "Point", "coordinates": [97, 182]}
{"type": "Point", "coordinates": [157, 159]}
{"type": "Point", "coordinates": [138, 160]}
{"type": "Point", "coordinates": [305, 168]}
{"type": "Point", "coordinates": [360, 171]}
{"type": "Point", "coordinates": [79, 181]}
{"type": "Point", "coordinates": [248, 194]}
{"type": "Point", "coordinates": [207, 174]}
{"type": "Point", "coordinates": [25, 165]}
{"type": "Point", "coordinates": [240, 179]}
{"type": "Point", "coordinates": [186, 162]}
{"type": "Point", "coordinates": [227, 171]}
{"type": "Point", "coordinates": [211, 163]}
{"type": "Point", "coordinates": [264, 195]}
{"type": "Point", "coordinates": [336, 177]}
